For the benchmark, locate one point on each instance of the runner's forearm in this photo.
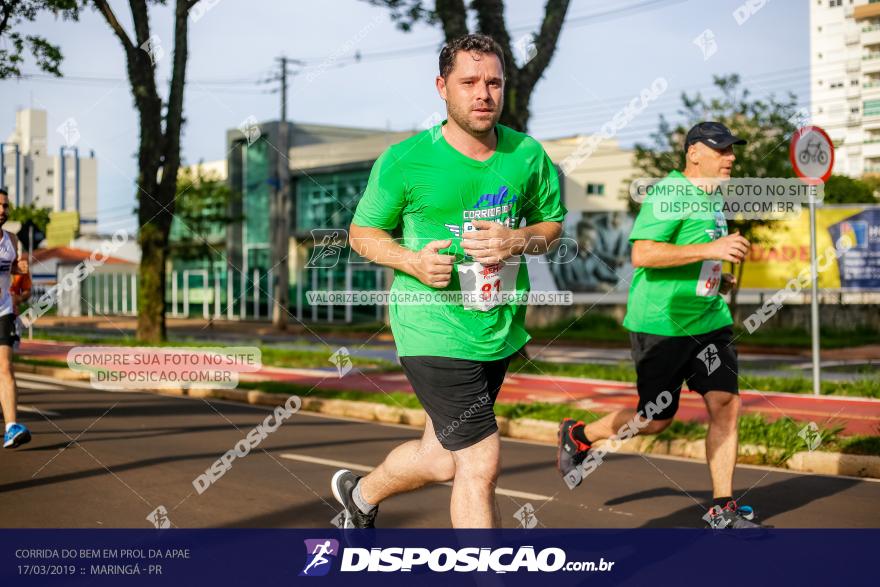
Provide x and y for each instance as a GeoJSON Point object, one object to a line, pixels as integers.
{"type": "Point", "coordinates": [536, 239]}
{"type": "Point", "coordinates": [658, 255]}
{"type": "Point", "coordinates": [378, 246]}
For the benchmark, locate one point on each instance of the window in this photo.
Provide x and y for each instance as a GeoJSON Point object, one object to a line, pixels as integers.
{"type": "Point", "coordinates": [854, 110]}
{"type": "Point", "coordinates": [835, 85]}
{"type": "Point", "coordinates": [329, 200]}
{"type": "Point", "coordinates": [834, 3]}
{"type": "Point", "coordinates": [871, 108]}
{"type": "Point", "coordinates": [854, 82]}
{"type": "Point", "coordinates": [595, 189]}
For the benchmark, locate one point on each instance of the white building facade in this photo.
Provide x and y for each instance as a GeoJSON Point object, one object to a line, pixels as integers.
{"type": "Point", "coordinates": [64, 181]}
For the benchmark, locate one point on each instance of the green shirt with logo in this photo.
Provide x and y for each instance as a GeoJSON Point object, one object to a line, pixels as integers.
{"type": "Point", "coordinates": [683, 300]}
{"type": "Point", "coordinates": [422, 190]}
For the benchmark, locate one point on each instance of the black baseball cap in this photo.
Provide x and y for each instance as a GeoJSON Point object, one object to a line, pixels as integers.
{"type": "Point", "coordinates": [712, 134]}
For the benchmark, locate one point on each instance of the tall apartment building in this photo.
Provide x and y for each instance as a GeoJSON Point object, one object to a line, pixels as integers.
{"type": "Point", "coordinates": [62, 181]}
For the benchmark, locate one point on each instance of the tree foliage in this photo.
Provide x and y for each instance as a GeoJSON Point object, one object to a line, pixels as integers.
{"type": "Point", "coordinates": [202, 215]}
{"type": "Point", "coordinates": [15, 45]}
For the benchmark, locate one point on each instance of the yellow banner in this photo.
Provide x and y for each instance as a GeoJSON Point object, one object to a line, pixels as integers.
{"type": "Point", "coordinates": [783, 249]}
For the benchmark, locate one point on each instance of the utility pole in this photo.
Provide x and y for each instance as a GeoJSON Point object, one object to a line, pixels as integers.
{"type": "Point", "coordinates": [280, 210]}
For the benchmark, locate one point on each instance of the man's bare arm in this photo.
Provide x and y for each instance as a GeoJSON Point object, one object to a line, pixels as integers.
{"type": "Point", "coordinates": [654, 254]}
{"type": "Point", "coordinates": [426, 265]}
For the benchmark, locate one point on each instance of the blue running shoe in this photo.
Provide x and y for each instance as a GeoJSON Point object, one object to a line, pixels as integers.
{"type": "Point", "coordinates": [16, 436]}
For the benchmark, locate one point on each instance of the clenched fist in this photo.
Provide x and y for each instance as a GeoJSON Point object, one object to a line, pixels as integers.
{"type": "Point", "coordinates": [432, 268]}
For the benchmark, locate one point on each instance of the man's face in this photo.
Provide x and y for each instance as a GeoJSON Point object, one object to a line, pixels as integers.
{"type": "Point", "coordinates": [474, 91]}
{"type": "Point", "coordinates": [712, 162]}
{"type": "Point", "coordinates": [4, 209]}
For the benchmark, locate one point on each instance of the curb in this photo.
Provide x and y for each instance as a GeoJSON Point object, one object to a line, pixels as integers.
{"type": "Point", "coordinates": [824, 463]}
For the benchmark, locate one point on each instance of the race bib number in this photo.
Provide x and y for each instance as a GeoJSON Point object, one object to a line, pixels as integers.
{"type": "Point", "coordinates": [710, 278]}
{"type": "Point", "coordinates": [485, 286]}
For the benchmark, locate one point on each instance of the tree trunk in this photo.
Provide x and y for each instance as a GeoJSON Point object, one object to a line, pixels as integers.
{"type": "Point", "coordinates": [158, 151]}
{"type": "Point", "coordinates": [151, 290]}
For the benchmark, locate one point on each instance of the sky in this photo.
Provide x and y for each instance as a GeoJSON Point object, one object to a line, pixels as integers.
{"type": "Point", "coordinates": [608, 52]}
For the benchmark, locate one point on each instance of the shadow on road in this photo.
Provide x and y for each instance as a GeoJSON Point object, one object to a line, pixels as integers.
{"type": "Point", "coordinates": [768, 500]}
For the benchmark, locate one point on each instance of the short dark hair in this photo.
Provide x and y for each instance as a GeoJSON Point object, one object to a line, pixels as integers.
{"type": "Point", "coordinates": [472, 42]}
{"type": "Point", "coordinates": [3, 192]}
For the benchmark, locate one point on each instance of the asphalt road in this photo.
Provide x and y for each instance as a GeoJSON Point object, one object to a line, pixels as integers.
{"type": "Point", "coordinates": [102, 459]}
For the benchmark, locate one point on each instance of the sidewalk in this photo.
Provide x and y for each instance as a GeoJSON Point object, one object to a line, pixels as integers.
{"type": "Point", "coordinates": [857, 415]}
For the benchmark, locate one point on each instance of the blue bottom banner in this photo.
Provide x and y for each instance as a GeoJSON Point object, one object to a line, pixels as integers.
{"type": "Point", "coordinates": [436, 557]}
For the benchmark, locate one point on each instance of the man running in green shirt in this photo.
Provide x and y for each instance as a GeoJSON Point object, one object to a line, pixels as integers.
{"type": "Point", "coordinates": [680, 326]}
{"type": "Point", "coordinates": [444, 209]}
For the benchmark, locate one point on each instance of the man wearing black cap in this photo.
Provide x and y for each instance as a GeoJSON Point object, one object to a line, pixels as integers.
{"type": "Point", "coordinates": [680, 326]}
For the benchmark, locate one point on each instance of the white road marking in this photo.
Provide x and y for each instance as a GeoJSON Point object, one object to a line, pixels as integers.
{"type": "Point", "coordinates": [367, 469]}
{"type": "Point", "coordinates": [33, 410]}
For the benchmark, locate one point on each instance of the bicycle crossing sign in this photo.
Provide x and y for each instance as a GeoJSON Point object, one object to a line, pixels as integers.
{"type": "Point", "coordinates": [812, 154]}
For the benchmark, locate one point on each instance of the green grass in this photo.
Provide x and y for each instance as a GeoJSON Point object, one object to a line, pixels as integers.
{"type": "Point", "coordinates": [276, 357]}
{"type": "Point", "coordinates": [39, 362]}
{"type": "Point", "coordinates": [832, 338]}
{"type": "Point", "coordinates": [591, 326]}
{"type": "Point", "coordinates": [271, 356]}
{"type": "Point", "coordinates": [394, 398]}
{"type": "Point", "coordinates": [780, 435]}
{"type": "Point", "coordinates": [597, 327]}
{"type": "Point", "coordinates": [859, 445]}
{"type": "Point", "coordinates": [617, 372]}
{"type": "Point", "coordinates": [683, 429]}
{"type": "Point", "coordinates": [625, 372]}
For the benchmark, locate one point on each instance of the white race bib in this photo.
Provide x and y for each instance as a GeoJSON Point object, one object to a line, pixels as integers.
{"type": "Point", "coordinates": [485, 286]}
{"type": "Point", "coordinates": [710, 278]}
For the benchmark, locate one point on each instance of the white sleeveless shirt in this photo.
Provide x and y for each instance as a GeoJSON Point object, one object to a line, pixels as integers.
{"type": "Point", "coordinates": [8, 255]}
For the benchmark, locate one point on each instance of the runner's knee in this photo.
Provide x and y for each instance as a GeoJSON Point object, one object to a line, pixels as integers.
{"type": "Point", "coordinates": [477, 470]}
{"type": "Point", "coordinates": [723, 407]}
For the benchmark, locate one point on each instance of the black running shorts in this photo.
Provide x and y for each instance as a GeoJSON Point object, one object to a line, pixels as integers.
{"type": "Point", "coordinates": [708, 362]}
{"type": "Point", "coordinates": [458, 395]}
{"type": "Point", "coordinates": [8, 333]}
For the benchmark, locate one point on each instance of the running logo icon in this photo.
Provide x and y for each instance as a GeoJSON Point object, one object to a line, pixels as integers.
{"type": "Point", "coordinates": [320, 553]}
{"type": "Point", "coordinates": [710, 358]}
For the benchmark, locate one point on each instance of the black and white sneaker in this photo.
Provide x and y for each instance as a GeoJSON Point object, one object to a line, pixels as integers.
{"type": "Point", "coordinates": [343, 484]}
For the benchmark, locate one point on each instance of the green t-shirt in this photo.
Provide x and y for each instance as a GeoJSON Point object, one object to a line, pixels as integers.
{"type": "Point", "coordinates": [422, 190]}
{"type": "Point", "coordinates": [684, 300]}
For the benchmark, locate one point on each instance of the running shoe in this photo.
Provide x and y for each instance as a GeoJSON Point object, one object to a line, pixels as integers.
{"type": "Point", "coordinates": [731, 516]}
{"type": "Point", "coordinates": [343, 485]}
{"type": "Point", "coordinates": [17, 435]}
{"type": "Point", "coordinates": [570, 453]}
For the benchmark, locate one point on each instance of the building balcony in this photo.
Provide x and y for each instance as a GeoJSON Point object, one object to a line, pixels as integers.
{"type": "Point", "coordinates": [853, 65]}
{"type": "Point", "coordinates": [872, 37]}
{"type": "Point", "coordinates": [871, 150]}
{"type": "Point", "coordinates": [871, 63]}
